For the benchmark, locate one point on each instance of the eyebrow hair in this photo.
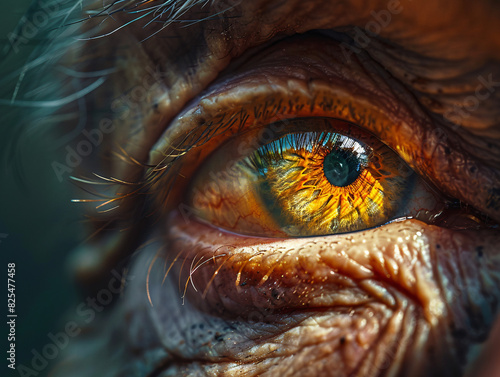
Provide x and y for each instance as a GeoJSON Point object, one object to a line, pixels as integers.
{"type": "Point", "coordinates": [165, 11]}
{"type": "Point", "coordinates": [62, 29]}
{"type": "Point", "coordinates": [59, 12]}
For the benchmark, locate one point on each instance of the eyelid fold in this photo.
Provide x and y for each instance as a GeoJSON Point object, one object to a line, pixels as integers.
{"type": "Point", "coordinates": [291, 81]}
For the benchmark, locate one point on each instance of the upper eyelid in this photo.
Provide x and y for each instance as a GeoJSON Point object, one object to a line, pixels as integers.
{"type": "Point", "coordinates": [393, 121]}
{"type": "Point", "coordinates": [210, 109]}
{"type": "Point", "coordinates": [208, 117]}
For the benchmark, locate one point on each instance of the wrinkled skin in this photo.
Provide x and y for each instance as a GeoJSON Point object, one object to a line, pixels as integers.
{"type": "Point", "coordinates": [410, 298]}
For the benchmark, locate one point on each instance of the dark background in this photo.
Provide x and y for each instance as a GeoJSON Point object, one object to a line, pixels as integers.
{"type": "Point", "coordinates": [39, 226]}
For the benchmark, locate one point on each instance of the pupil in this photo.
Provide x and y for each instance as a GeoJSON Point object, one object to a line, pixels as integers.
{"type": "Point", "coordinates": [341, 168]}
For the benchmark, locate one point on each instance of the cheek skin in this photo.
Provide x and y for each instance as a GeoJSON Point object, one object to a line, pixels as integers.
{"type": "Point", "coordinates": [422, 293]}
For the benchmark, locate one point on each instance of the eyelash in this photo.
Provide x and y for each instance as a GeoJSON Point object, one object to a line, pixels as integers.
{"type": "Point", "coordinates": [159, 179]}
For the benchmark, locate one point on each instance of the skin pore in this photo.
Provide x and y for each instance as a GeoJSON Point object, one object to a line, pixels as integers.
{"type": "Point", "coordinates": [170, 85]}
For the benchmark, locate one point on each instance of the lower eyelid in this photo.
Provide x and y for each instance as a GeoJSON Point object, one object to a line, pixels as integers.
{"type": "Point", "coordinates": [412, 281]}
{"type": "Point", "coordinates": [409, 256]}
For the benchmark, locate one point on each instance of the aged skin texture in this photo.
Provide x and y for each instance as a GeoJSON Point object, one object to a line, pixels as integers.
{"type": "Point", "coordinates": [166, 83]}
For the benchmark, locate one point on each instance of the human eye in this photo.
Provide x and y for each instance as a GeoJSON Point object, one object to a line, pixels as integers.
{"type": "Point", "coordinates": [321, 176]}
{"type": "Point", "coordinates": [287, 198]}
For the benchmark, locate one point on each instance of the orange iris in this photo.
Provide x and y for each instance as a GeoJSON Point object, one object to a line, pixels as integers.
{"type": "Point", "coordinates": [301, 184]}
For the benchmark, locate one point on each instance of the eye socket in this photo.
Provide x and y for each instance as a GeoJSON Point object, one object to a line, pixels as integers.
{"type": "Point", "coordinates": [307, 177]}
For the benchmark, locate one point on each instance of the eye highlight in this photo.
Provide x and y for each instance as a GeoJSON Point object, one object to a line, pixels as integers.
{"type": "Point", "coordinates": [321, 176]}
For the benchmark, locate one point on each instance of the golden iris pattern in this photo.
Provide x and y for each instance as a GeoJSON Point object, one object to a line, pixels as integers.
{"type": "Point", "coordinates": [332, 178]}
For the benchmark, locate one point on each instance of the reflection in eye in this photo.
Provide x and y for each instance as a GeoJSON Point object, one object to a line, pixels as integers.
{"type": "Point", "coordinates": [322, 176]}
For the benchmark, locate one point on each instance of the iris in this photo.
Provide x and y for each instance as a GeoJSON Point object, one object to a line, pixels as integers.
{"type": "Point", "coordinates": [324, 176]}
